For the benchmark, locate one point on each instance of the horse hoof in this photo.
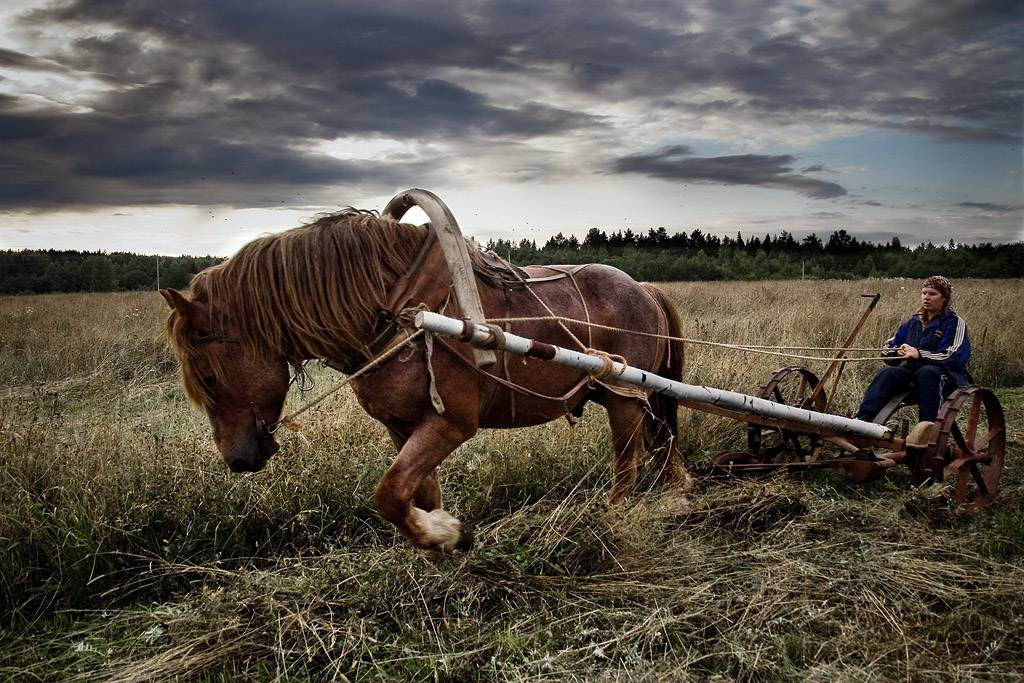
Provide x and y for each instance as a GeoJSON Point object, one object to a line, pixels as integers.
{"type": "Point", "coordinates": [441, 531]}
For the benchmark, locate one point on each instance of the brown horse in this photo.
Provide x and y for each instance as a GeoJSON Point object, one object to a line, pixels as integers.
{"type": "Point", "coordinates": [333, 290]}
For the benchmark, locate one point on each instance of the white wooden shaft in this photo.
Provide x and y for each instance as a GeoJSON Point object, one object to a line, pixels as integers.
{"type": "Point", "coordinates": [690, 393]}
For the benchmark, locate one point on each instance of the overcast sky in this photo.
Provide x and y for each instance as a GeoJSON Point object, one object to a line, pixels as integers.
{"type": "Point", "coordinates": [192, 126]}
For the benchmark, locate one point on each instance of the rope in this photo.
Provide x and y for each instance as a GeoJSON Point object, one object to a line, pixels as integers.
{"type": "Point", "coordinates": [607, 370]}
{"type": "Point", "coordinates": [608, 360]}
{"type": "Point", "coordinates": [738, 347]}
{"type": "Point", "coordinates": [289, 421]}
{"type": "Point", "coordinates": [552, 315]}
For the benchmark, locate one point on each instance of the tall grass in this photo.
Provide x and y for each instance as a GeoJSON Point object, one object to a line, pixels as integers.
{"type": "Point", "coordinates": [129, 553]}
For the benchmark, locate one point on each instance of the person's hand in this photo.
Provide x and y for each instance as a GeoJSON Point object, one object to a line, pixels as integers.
{"type": "Point", "coordinates": [908, 351]}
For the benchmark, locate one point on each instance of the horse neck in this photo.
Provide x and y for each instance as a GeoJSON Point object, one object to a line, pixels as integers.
{"type": "Point", "coordinates": [308, 338]}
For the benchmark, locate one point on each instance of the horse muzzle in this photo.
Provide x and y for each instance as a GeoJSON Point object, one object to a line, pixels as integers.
{"type": "Point", "coordinates": [266, 449]}
{"type": "Point", "coordinates": [243, 465]}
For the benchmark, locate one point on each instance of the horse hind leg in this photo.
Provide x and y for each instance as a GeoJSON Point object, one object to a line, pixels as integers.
{"type": "Point", "coordinates": [661, 439]}
{"type": "Point", "coordinates": [410, 483]}
{"type": "Point", "coordinates": [663, 418]}
{"type": "Point", "coordinates": [626, 417]}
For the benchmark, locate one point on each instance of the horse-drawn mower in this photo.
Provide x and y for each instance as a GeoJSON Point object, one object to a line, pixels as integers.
{"type": "Point", "coordinates": [788, 425]}
{"type": "Point", "coordinates": [966, 443]}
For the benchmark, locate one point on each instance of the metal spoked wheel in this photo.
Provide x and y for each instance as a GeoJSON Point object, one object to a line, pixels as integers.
{"type": "Point", "coordinates": [970, 445]}
{"type": "Point", "coordinates": [792, 386]}
{"type": "Point", "coordinates": [724, 460]}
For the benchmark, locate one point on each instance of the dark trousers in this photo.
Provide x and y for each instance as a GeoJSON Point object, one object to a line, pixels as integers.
{"type": "Point", "coordinates": [930, 383]}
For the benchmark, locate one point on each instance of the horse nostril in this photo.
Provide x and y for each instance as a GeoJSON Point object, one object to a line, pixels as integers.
{"type": "Point", "coordinates": [274, 448]}
{"type": "Point", "coordinates": [240, 465]}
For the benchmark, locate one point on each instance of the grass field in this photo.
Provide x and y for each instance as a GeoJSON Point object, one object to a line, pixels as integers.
{"type": "Point", "coordinates": [129, 553]}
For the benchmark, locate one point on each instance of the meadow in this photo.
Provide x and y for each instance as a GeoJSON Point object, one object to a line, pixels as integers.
{"type": "Point", "coordinates": [129, 553]}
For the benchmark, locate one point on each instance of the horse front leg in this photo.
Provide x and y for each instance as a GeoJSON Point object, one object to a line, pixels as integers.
{"type": "Point", "coordinates": [428, 494]}
{"type": "Point", "coordinates": [408, 495]}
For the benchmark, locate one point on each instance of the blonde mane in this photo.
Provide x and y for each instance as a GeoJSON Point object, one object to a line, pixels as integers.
{"type": "Point", "coordinates": [310, 292]}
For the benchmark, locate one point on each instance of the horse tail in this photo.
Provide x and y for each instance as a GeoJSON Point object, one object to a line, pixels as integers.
{"type": "Point", "coordinates": [672, 365]}
{"type": "Point", "coordinates": [661, 435]}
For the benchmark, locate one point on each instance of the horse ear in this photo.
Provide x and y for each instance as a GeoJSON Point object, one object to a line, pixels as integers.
{"type": "Point", "coordinates": [185, 308]}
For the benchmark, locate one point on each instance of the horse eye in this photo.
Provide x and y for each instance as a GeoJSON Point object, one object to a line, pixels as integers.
{"type": "Point", "coordinates": [209, 381]}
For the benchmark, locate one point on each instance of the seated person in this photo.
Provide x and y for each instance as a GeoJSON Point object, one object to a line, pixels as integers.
{"type": "Point", "coordinates": [931, 349]}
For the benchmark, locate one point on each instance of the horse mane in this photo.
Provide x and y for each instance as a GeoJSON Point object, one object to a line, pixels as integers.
{"type": "Point", "coordinates": [310, 292]}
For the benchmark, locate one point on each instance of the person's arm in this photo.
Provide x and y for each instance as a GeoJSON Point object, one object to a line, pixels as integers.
{"type": "Point", "coordinates": [956, 347]}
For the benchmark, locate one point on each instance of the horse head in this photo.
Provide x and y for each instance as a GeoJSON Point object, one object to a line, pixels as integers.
{"type": "Point", "coordinates": [243, 391]}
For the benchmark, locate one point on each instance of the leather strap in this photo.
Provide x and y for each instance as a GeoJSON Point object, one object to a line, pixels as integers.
{"type": "Point", "coordinates": [427, 280]}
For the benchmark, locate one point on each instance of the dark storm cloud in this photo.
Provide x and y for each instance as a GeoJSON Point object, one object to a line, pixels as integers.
{"type": "Point", "coordinates": [194, 88]}
{"type": "Point", "coordinates": [225, 102]}
{"type": "Point", "coordinates": [774, 171]}
{"type": "Point", "coordinates": [241, 153]}
{"type": "Point", "coordinates": [61, 161]}
{"type": "Point", "coordinates": [988, 208]}
{"type": "Point", "coordinates": [946, 133]}
{"type": "Point", "coordinates": [20, 60]}
{"type": "Point", "coordinates": [956, 58]}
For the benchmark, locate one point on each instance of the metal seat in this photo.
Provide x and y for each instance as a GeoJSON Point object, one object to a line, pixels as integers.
{"type": "Point", "coordinates": [900, 400]}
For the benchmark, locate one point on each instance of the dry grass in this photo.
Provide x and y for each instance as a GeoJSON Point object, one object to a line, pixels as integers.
{"type": "Point", "coordinates": [130, 554]}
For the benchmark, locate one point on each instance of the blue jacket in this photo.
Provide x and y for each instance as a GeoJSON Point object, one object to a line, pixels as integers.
{"type": "Point", "coordinates": [943, 342]}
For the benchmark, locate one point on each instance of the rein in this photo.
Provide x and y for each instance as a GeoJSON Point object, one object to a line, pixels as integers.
{"type": "Point", "coordinates": [289, 420]}
{"type": "Point", "coordinates": [751, 348]}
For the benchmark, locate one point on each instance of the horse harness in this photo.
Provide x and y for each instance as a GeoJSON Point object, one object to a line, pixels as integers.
{"type": "Point", "coordinates": [426, 285]}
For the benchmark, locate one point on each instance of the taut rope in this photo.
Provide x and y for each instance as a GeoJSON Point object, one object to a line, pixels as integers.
{"type": "Point", "coordinates": [607, 371]}
{"type": "Point", "coordinates": [752, 348]}
{"type": "Point", "coordinates": [289, 421]}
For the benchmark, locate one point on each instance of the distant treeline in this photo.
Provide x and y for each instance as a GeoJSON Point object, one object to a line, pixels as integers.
{"type": "Point", "coordinates": [655, 255]}
{"type": "Point", "coordinates": [658, 256]}
{"type": "Point", "coordinates": [38, 272]}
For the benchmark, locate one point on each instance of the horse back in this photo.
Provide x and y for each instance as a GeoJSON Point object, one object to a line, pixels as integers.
{"type": "Point", "coordinates": [607, 298]}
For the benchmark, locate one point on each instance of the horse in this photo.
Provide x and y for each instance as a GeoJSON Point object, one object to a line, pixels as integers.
{"type": "Point", "coordinates": [334, 289]}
